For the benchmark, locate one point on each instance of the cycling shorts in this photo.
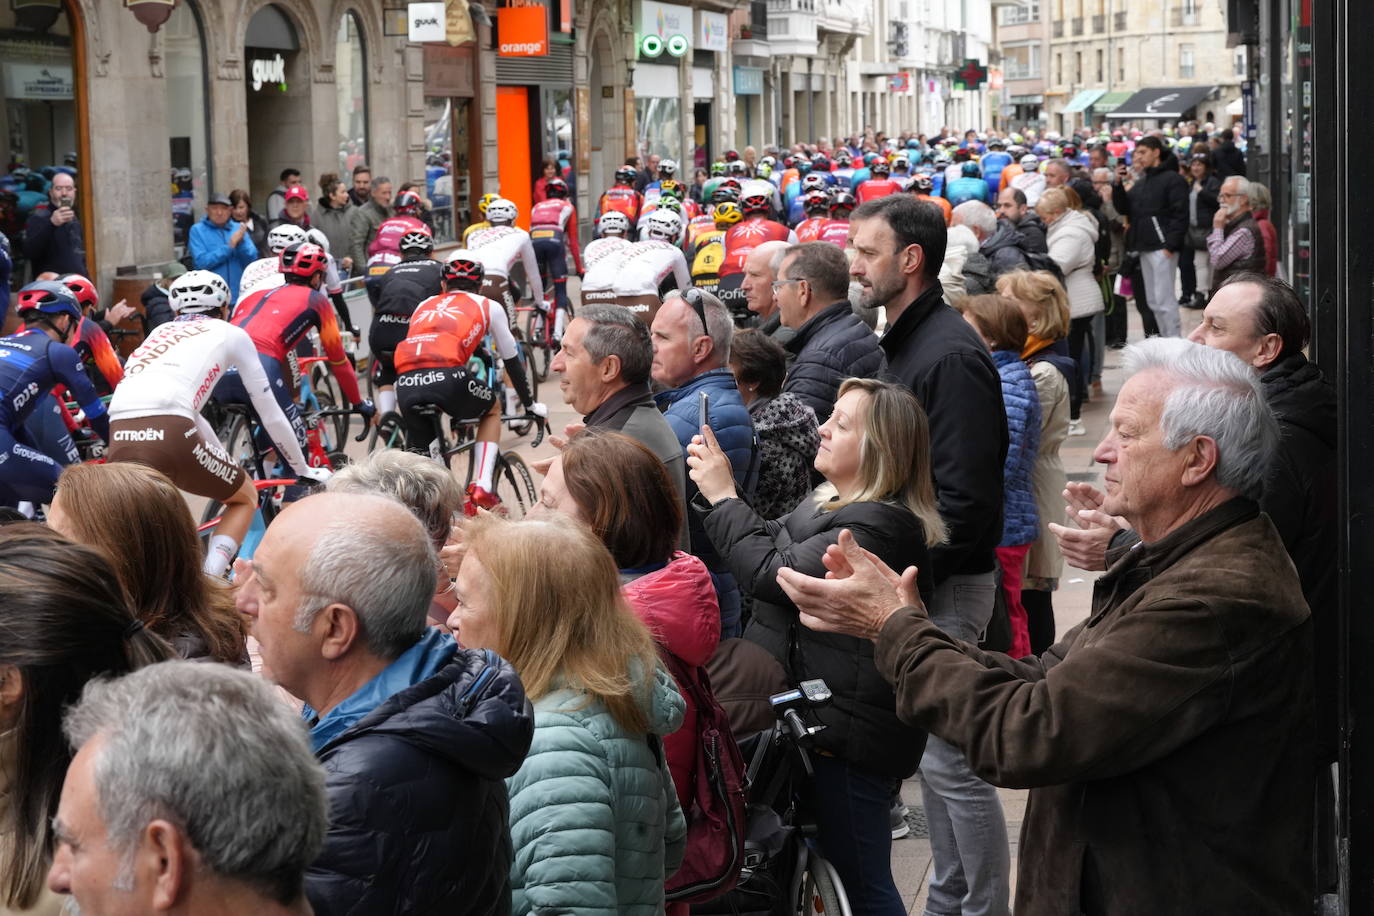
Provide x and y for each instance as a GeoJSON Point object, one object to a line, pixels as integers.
{"type": "Point", "coordinates": [456, 390]}
{"type": "Point", "coordinates": [383, 337]}
{"type": "Point", "coordinates": [552, 256]}
{"type": "Point", "coordinates": [184, 450]}
{"type": "Point", "coordinates": [499, 289]}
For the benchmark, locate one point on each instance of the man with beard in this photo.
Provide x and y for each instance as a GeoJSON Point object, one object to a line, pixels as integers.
{"type": "Point", "coordinates": [899, 245]}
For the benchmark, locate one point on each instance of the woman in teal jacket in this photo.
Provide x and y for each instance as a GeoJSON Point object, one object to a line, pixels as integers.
{"type": "Point", "coordinates": [594, 818]}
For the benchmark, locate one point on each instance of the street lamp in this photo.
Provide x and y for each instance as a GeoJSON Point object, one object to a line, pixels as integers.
{"type": "Point", "coordinates": [152, 13]}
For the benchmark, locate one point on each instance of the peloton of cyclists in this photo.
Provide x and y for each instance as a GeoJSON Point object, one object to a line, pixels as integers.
{"type": "Point", "coordinates": [502, 247]}
{"type": "Point", "coordinates": [621, 197]}
{"type": "Point", "coordinates": [399, 291]}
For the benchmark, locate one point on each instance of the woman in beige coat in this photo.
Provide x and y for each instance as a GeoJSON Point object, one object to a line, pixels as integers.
{"type": "Point", "coordinates": [1044, 303]}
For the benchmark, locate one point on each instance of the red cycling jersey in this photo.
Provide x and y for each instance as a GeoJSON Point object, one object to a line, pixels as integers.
{"type": "Point", "coordinates": [874, 188]}
{"type": "Point", "coordinates": [278, 318]}
{"type": "Point", "coordinates": [444, 332]}
{"type": "Point", "coordinates": [622, 200]}
{"type": "Point", "coordinates": [742, 238]}
{"type": "Point", "coordinates": [810, 229]}
{"type": "Point", "coordinates": [837, 231]}
{"type": "Point", "coordinates": [388, 238]}
{"type": "Point", "coordinates": [557, 219]}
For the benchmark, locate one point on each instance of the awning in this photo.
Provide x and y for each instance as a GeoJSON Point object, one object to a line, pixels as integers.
{"type": "Point", "coordinates": [1236, 108]}
{"type": "Point", "coordinates": [1084, 98]}
{"type": "Point", "coordinates": [1111, 101]}
{"type": "Point", "coordinates": [1159, 103]}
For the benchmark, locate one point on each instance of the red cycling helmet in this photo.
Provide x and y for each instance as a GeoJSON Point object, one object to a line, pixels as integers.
{"type": "Point", "coordinates": [816, 200]}
{"type": "Point", "coordinates": [83, 289]}
{"type": "Point", "coordinates": [303, 259]}
{"type": "Point", "coordinates": [626, 175]}
{"type": "Point", "coordinates": [556, 187]}
{"type": "Point", "coordinates": [755, 203]}
{"type": "Point", "coordinates": [48, 297]}
{"type": "Point", "coordinates": [731, 155]}
{"type": "Point", "coordinates": [843, 202]}
{"type": "Point", "coordinates": [462, 266]}
{"type": "Point", "coordinates": [407, 203]}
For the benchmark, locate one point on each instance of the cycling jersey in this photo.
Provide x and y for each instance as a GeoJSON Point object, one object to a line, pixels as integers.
{"type": "Point", "coordinates": [176, 369]}
{"type": "Point", "coordinates": [406, 285]}
{"type": "Point", "coordinates": [744, 237]}
{"type": "Point", "coordinates": [98, 355]}
{"type": "Point", "coordinates": [648, 272]}
{"type": "Point", "coordinates": [810, 229]}
{"type": "Point", "coordinates": [501, 248]}
{"type": "Point", "coordinates": [621, 199]}
{"type": "Point", "coordinates": [388, 238]}
{"type": "Point", "coordinates": [556, 220]}
{"type": "Point", "coordinates": [475, 227]}
{"type": "Point", "coordinates": [874, 188]}
{"type": "Point", "coordinates": [604, 257]}
{"type": "Point", "coordinates": [264, 273]}
{"type": "Point", "coordinates": [844, 177]}
{"type": "Point", "coordinates": [945, 207]}
{"type": "Point", "coordinates": [835, 231]}
{"type": "Point", "coordinates": [699, 226]}
{"type": "Point", "coordinates": [277, 319]}
{"type": "Point", "coordinates": [447, 329]}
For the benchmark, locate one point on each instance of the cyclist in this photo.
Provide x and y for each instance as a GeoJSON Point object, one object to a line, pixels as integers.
{"type": "Point", "coordinates": [843, 170]}
{"type": "Point", "coordinates": [399, 291]}
{"type": "Point", "coordinates": [670, 204]}
{"type": "Point", "coordinates": [553, 233]}
{"type": "Point", "coordinates": [681, 193]}
{"type": "Point", "coordinates": [797, 210]}
{"type": "Point", "coordinates": [880, 185]}
{"type": "Point", "coordinates": [993, 161]}
{"type": "Point", "coordinates": [706, 245]}
{"type": "Point", "coordinates": [667, 168]}
{"type": "Point", "coordinates": [923, 187]}
{"type": "Point", "coordinates": [385, 249]}
{"type": "Point", "coordinates": [333, 281]}
{"type": "Point", "coordinates": [612, 227]}
{"type": "Point", "coordinates": [444, 334]}
{"type": "Point", "coordinates": [620, 197]}
{"type": "Point", "coordinates": [752, 231]}
{"type": "Point", "coordinates": [482, 203]}
{"type": "Point", "coordinates": [652, 268]}
{"type": "Point", "coordinates": [969, 186]}
{"type": "Point", "coordinates": [33, 362]}
{"type": "Point", "coordinates": [1030, 182]}
{"type": "Point", "coordinates": [765, 188]}
{"type": "Point", "coordinates": [901, 170]}
{"type": "Point", "coordinates": [265, 272]}
{"type": "Point", "coordinates": [604, 256]}
{"type": "Point", "coordinates": [155, 414]}
{"type": "Point", "coordinates": [502, 247]}
{"type": "Point", "coordinates": [817, 204]}
{"type": "Point", "coordinates": [278, 319]}
{"type": "Point", "coordinates": [92, 343]}
{"type": "Point", "coordinates": [837, 229]}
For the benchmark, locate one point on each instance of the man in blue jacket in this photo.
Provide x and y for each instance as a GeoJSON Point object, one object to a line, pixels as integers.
{"type": "Point", "coordinates": [691, 337]}
{"type": "Point", "coordinates": [222, 245]}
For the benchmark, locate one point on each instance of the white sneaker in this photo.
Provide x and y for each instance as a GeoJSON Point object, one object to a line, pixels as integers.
{"type": "Point", "coordinates": [1076, 428]}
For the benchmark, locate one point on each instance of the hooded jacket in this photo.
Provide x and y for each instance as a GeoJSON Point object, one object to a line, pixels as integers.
{"type": "Point", "coordinates": [1073, 245]}
{"type": "Point", "coordinates": [594, 817]}
{"type": "Point", "coordinates": [1020, 517]}
{"type": "Point", "coordinates": [831, 346]}
{"type": "Point", "coordinates": [1004, 249]}
{"type": "Point", "coordinates": [1032, 229]}
{"type": "Point", "coordinates": [417, 806]}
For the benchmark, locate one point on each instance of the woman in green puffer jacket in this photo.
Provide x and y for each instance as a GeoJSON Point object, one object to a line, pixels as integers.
{"type": "Point", "coordinates": [594, 819]}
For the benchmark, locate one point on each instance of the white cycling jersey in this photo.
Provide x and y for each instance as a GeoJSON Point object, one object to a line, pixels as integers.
{"type": "Point", "coordinates": [603, 259]}
{"type": "Point", "coordinates": [175, 370]}
{"type": "Point", "coordinates": [647, 265]}
{"type": "Point", "coordinates": [500, 248]}
{"type": "Point", "coordinates": [264, 273]}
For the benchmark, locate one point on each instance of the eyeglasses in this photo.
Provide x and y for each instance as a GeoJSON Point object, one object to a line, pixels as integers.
{"type": "Point", "coordinates": [697, 300]}
{"type": "Point", "coordinates": [779, 284]}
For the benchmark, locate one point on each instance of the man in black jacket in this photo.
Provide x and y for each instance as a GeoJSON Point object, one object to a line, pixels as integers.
{"type": "Point", "coordinates": [416, 736]}
{"type": "Point", "coordinates": [899, 245]}
{"type": "Point", "coordinates": [52, 236]}
{"type": "Point", "coordinates": [831, 343]}
{"type": "Point", "coordinates": [1156, 205]}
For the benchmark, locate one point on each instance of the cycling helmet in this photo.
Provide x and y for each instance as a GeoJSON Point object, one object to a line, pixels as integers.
{"type": "Point", "coordinates": [922, 184]}
{"type": "Point", "coordinates": [815, 182]}
{"type": "Point", "coordinates": [765, 170]}
{"type": "Point", "coordinates": [613, 222]}
{"type": "Point", "coordinates": [318, 237]}
{"type": "Point", "coordinates": [667, 168]}
{"type": "Point", "coordinates": [843, 157]}
{"type": "Point", "coordinates": [198, 291]}
{"type": "Point", "coordinates": [732, 183]}
{"type": "Point", "coordinates": [997, 143]}
{"type": "Point", "coordinates": [1071, 152]}
{"type": "Point", "coordinates": [816, 200]}
{"type": "Point", "coordinates": [48, 297]}
{"type": "Point", "coordinates": [755, 203]}
{"type": "Point", "coordinates": [83, 289]}
{"type": "Point", "coordinates": [283, 236]}
{"type": "Point", "coordinates": [725, 192]}
{"type": "Point", "coordinates": [727, 212]}
{"type": "Point", "coordinates": [420, 239]}
{"type": "Point", "coordinates": [870, 158]}
{"type": "Point", "coordinates": [462, 266]}
{"type": "Point", "coordinates": [407, 203]}
{"type": "Point", "coordinates": [789, 162]}
{"type": "Point", "coordinates": [820, 162]}
{"type": "Point", "coordinates": [668, 203]}
{"type": "Point", "coordinates": [303, 259]}
{"type": "Point", "coordinates": [970, 170]}
{"type": "Point", "coordinates": [805, 165]}
{"type": "Point", "coordinates": [731, 155]}
{"type": "Point", "coordinates": [769, 160]}
{"type": "Point", "coordinates": [941, 161]}
{"type": "Point", "coordinates": [880, 167]}
{"type": "Point", "coordinates": [717, 169]}
{"type": "Point", "coordinates": [737, 167]}
{"type": "Point", "coordinates": [556, 187]}
{"type": "Point", "coordinates": [843, 201]}
{"type": "Point", "coordinates": [502, 212]}
{"type": "Point", "coordinates": [1030, 162]}
{"type": "Point", "coordinates": [901, 164]}
{"type": "Point", "coordinates": [664, 225]}
{"type": "Point", "coordinates": [486, 200]}
{"type": "Point", "coordinates": [625, 175]}
{"type": "Point", "coordinates": [671, 187]}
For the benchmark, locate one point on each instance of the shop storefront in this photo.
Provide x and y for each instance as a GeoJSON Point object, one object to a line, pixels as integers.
{"type": "Point", "coordinates": [663, 35]}
{"type": "Point", "coordinates": [452, 129]}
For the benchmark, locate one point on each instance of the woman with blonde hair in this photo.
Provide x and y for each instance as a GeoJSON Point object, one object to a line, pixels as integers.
{"type": "Point", "coordinates": [1072, 239]}
{"type": "Point", "coordinates": [594, 817]}
{"type": "Point", "coordinates": [875, 458]}
{"type": "Point", "coordinates": [138, 518]}
{"type": "Point", "coordinates": [1042, 302]}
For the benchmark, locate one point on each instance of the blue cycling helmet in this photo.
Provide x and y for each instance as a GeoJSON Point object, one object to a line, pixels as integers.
{"type": "Point", "coordinates": [48, 297]}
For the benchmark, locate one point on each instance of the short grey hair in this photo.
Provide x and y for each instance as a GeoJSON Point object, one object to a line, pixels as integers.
{"type": "Point", "coordinates": [421, 484]}
{"type": "Point", "coordinates": [976, 215]}
{"type": "Point", "coordinates": [720, 327]}
{"type": "Point", "coordinates": [383, 570]}
{"type": "Point", "coordinates": [824, 265]}
{"type": "Point", "coordinates": [1061, 165]}
{"type": "Point", "coordinates": [1102, 174]}
{"type": "Point", "coordinates": [213, 750]}
{"type": "Point", "coordinates": [615, 331]}
{"type": "Point", "coordinates": [1242, 184]}
{"type": "Point", "coordinates": [1215, 395]}
{"type": "Point", "coordinates": [1259, 196]}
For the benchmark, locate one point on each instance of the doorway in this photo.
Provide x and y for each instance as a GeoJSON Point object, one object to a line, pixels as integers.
{"type": "Point", "coordinates": [704, 153]}
{"type": "Point", "coordinates": [277, 82]}
{"type": "Point", "coordinates": [513, 127]}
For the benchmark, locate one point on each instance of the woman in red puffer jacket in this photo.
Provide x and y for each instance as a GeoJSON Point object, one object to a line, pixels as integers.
{"type": "Point", "coordinates": [622, 491]}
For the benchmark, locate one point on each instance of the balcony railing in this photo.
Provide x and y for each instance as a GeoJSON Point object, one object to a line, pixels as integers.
{"type": "Point", "coordinates": [1099, 24]}
{"type": "Point", "coordinates": [1057, 30]}
{"type": "Point", "coordinates": [1119, 21]}
{"type": "Point", "coordinates": [1181, 16]}
{"type": "Point", "coordinates": [1077, 24]}
{"type": "Point", "coordinates": [1014, 72]}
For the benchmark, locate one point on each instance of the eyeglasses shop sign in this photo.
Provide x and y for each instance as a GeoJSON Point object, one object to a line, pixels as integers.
{"type": "Point", "coordinates": [264, 72]}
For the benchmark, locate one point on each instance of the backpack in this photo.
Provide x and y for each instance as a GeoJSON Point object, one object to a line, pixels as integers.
{"type": "Point", "coordinates": [714, 854]}
{"type": "Point", "coordinates": [1041, 260]}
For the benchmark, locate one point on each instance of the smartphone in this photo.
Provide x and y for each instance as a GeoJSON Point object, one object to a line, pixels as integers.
{"type": "Point", "coordinates": [703, 410]}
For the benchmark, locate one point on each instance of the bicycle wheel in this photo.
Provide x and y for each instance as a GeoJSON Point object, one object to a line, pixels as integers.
{"type": "Point", "coordinates": [237, 439]}
{"type": "Point", "coordinates": [388, 433]}
{"type": "Point", "coordinates": [330, 396]}
{"type": "Point", "coordinates": [514, 485]}
{"type": "Point", "coordinates": [536, 334]}
{"type": "Point", "coordinates": [822, 890]}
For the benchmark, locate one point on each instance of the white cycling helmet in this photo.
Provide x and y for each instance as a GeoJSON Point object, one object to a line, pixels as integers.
{"type": "Point", "coordinates": [664, 225]}
{"type": "Point", "coordinates": [318, 237]}
{"type": "Point", "coordinates": [284, 236]}
{"type": "Point", "coordinates": [613, 222]}
{"type": "Point", "coordinates": [198, 291]}
{"type": "Point", "coordinates": [1030, 162]}
{"type": "Point", "coordinates": [502, 212]}
{"type": "Point", "coordinates": [667, 167]}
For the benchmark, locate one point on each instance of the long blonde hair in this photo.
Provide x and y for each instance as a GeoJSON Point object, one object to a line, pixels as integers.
{"type": "Point", "coordinates": [894, 455]}
{"type": "Point", "coordinates": [561, 619]}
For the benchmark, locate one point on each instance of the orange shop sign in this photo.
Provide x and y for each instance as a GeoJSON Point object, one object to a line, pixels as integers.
{"type": "Point", "coordinates": [522, 31]}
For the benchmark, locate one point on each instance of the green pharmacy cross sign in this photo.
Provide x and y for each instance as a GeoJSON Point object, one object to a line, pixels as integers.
{"type": "Point", "coordinates": [971, 75]}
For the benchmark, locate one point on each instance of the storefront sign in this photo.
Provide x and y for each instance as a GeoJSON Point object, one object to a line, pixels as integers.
{"type": "Point", "coordinates": [748, 81]}
{"type": "Point", "coordinates": [523, 31]}
{"type": "Point", "coordinates": [665, 27]}
{"type": "Point", "coordinates": [427, 22]}
{"type": "Point", "coordinates": [38, 81]}
{"type": "Point", "coordinates": [458, 27]}
{"type": "Point", "coordinates": [713, 31]}
{"type": "Point", "coordinates": [448, 72]}
{"type": "Point", "coordinates": [899, 82]}
{"type": "Point", "coordinates": [267, 71]}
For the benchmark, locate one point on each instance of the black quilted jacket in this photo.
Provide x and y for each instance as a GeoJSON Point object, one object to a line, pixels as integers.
{"type": "Point", "coordinates": [832, 346]}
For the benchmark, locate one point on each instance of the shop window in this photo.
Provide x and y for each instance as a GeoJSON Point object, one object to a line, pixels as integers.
{"type": "Point", "coordinates": [350, 85]}
{"type": "Point", "coordinates": [187, 125]}
{"type": "Point", "coordinates": [447, 165]}
{"type": "Point", "coordinates": [660, 127]}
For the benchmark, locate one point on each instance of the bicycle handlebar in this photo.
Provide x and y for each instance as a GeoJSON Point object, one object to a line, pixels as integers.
{"type": "Point", "coordinates": [346, 412]}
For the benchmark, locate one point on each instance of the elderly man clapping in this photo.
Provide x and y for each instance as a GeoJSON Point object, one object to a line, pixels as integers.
{"type": "Point", "coordinates": [1167, 741]}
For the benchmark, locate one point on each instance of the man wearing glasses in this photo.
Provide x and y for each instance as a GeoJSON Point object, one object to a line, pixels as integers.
{"type": "Point", "coordinates": [1235, 243]}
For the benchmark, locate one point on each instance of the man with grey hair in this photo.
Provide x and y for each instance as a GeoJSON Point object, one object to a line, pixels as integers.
{"type": "Point", "coordinates": [416, 735]}
{"type": "Point", "coordinates": [831, 342]}
{"type": "Point", "coordinates": [691, 340]}
{"type": "Point", "coordinates": [998, 240]}
{"type": "Point", "coordinates": [604, 367]}
{"type": "Point", "coordinates": [192, 790]}
{"type": "Point", "coordinates": [1057, 173]}
{"type": "Point", "coordinates": [1235, 243]}
{"type": "Point", "coordinates": [760, 270]}
{"type": "Point", "coordinates": [1167, 741]}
